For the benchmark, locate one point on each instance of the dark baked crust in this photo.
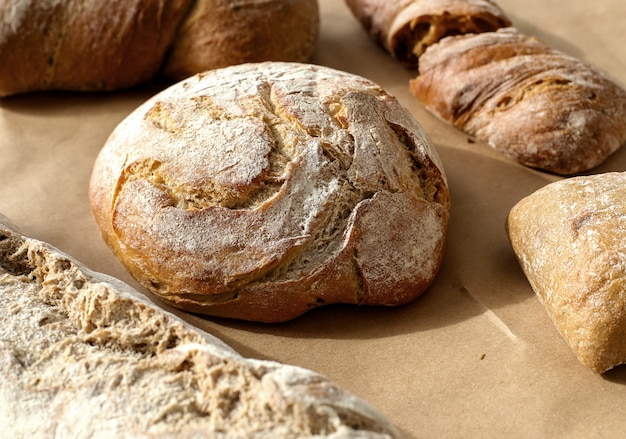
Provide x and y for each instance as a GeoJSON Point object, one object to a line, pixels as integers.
{"type": "Point", "coordinates": [96, 46]}
{"type": "Point", "coordinates": [105, 46]}
{"type": "Point", "coordinates": [407, 27]}
{"type": "Point", "coordinates": [263, 190]}
{"type": "Point", "coordinates": [220, 33]}
{"type": "Point", "coordinates": [536, 105]}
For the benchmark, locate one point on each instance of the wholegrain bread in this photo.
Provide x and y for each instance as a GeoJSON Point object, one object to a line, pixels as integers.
{"type": "Point", "coordinates": [261, 191]}
{"type": "Point", "coordinates": [94, 46]}
{"type": "Point", "coordinates": [536, 105]}
{"type": "Point", "coordinates": [83, 355]}
{"type": "Point", "coordinates": [569, 238]}
{"type": "Point", "coordinates": [406, 28]}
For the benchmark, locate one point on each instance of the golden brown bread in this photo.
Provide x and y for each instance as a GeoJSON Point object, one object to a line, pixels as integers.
{"type": "Point", "coordinates": [405, 28]}
{"type": "Point", "coordinates": [260, 191]}
{"type": "Point", "coordinates": [536, 105]}
{"type": "Point", "coordinates": [83, 355]}
{"type": "Point", "coordinates": [569, 238]}
{"type": "Point", "coordinates": [219, 33]}
{"type": "Point", "coordinates": [73, 45]}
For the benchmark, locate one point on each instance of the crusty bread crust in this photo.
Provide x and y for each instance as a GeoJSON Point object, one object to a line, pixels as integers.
{"type": "Point", "coordinates": [219, 33]}
{"type": "Point", "coordinates": [406, 28]}
{"type": "Point", "coordinates": [83, 355]}
{"type": "Point", "coordinates": [94, 46]}
{"type": "Point", "coordinates": [261, 191]}
{"type": "Point", "coordinates": [569, 239]}
{"type": "Point", "coordinates": [536, 105]}
{"type": "Point", "coordinates": [62, 45]}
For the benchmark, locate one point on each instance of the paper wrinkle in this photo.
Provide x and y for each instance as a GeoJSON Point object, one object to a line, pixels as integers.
{"type": "Point", "coordinates": [501, 326]}
{"type": "Point", "coordinates": [493, 318]}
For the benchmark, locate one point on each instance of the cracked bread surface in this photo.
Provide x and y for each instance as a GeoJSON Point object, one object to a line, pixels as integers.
{"type": "Point", "coordinates": [263, 190]}
{"type": "Point", "coordinates": [536, 105]}
{"type": "Point", "coordinates": [83, 355]}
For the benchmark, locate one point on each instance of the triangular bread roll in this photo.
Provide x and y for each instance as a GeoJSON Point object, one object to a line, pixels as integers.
{"type": "Point", "coordinates": [570, 239]}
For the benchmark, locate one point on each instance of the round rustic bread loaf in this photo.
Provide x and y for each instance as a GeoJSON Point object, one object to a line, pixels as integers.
{"type": "Point", "coordinates": [260, 191]}
{"type": "Point", "coordinates": [93, 46]}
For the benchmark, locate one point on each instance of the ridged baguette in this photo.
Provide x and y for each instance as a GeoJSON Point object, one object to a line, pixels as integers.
{"type": "Point", "coordinates": [83, 355]}
{"type": "Point", "coordinates": [261, 191]}
{"type": "Point", "coordinates": [406, 28]}
{"type": "Point", "coordinates": [536, 105]}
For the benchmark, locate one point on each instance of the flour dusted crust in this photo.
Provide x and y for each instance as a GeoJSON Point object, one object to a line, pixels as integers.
{"type": "Point", "coordinates": [261, 191]}
{"type": "Point", "coordinates": [536, 105]}
{"type": "Point", "coordinates": [93, 46]}
{"type": "Point", "coordinates": [406, 28]}
{"type": "Point", "coordinates": [570, 238]}
{"type": "Point", "coordinates": [83, 355]}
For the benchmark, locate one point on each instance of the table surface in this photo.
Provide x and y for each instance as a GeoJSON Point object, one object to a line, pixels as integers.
{"type": "Point", "coordinates": [476, 356]}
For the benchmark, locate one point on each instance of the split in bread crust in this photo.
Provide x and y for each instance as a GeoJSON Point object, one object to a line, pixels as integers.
{"type": "Point", "coordinates": [569, 238]}
{"type": "Point", "coordinates": [406, 28]}
{"type": "Point", "coordinates": [83, 355]}
{"type": "Point", "coordinates": [94, 46]}
{"type": "Point", "coordinates": [261, 191]}
{"type": "Point", "coordinates": [536, 105]}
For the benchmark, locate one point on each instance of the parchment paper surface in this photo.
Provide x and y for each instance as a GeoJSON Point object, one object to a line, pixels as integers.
{"type": "Point", "coordinates": [477, 355]}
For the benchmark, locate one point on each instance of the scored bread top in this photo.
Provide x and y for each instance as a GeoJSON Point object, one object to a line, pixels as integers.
{"type": "Point", "coordinates": [262, 190]}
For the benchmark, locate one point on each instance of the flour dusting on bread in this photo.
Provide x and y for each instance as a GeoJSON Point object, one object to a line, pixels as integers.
{"type": "Point", "coordinates": [253, 191]}
{"type": "Point", "coordinates": [83, 355]}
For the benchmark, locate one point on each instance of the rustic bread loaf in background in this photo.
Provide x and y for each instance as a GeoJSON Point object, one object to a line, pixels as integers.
{"type": "Point", "coordinates": [83, 355]}
{"type": "Point", "coordinates": [260, 191]}
{"type": "Point", "coordinates": [536, 105]}
{"type": "Point", "coordinates": [406, 28]}
{"type": "Point", "coordinates": [569, 239]}
{"type": "Point", "coordinates": [219, 33]}
{"type": "Point", "coordinates": [73, 45]}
